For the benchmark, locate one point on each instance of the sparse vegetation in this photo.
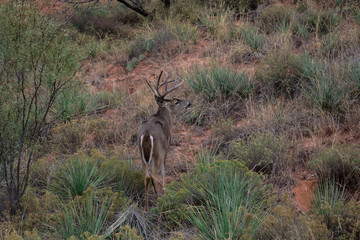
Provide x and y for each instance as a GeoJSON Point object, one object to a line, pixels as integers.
{"type": "Point", "coordinates": [274, 87]}
{"type": "Point", "coordinates": [219, 83]}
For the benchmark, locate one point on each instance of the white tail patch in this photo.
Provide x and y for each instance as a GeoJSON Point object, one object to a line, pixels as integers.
{"type": "Point", "coordinates": [152, 148]}
{"type": "Point", "coordinates": [142, 149]}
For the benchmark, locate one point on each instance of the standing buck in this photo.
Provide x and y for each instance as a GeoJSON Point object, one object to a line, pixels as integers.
{"type": "Point", "coordinates": [154, 134]}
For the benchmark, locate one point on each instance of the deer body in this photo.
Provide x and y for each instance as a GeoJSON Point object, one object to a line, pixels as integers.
{"type": "Point", "coordinates": [154, 136]}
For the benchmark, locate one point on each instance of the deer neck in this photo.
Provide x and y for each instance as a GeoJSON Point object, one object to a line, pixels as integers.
{"type": "Point", "coordinates": [164, 113]}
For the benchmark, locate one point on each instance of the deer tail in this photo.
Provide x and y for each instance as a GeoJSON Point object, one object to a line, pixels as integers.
{"type": "Point", "coordinates": [147, 142]}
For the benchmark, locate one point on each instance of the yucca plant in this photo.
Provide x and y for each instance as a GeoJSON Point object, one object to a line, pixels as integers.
{"type": "Point", "coordinates": [325, 92]}
{"type": "Point", "coordinates": [329, 203]}
{"type": "Point", "coordinates": [218, 82]}
{"type": "Point", "coordinates": [232, 204]}
{"type": "Point", "coordinates": [84, 216]}
{"type": "Point", "coordinates": [76, 176]}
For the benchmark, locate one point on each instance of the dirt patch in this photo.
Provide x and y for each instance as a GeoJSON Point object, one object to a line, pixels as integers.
{"type": "Point", "coordinates": [304, 190]}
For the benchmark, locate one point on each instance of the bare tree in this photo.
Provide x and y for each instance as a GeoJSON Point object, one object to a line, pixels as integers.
{"type": "Point", "coordinates": [38, 61]}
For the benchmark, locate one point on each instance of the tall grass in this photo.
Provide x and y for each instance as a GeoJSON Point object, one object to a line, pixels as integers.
{"type": "Point", "coordinates": [325, 92]}
{"type": "Point", "coordinates": [84, 216]}
{"type": "Point", "coordinates": [71, 104]}
{"type": "Point", "coordinates": [232, 205]}
{"type": "Point", "coordinates": [75, 177]}
{"type": "Point", "coordinates": [352, 75]}
{"type": "Point", "coordinates": [342, 163]}
{"type": "Point", "coordinates": [218, 82]}
{"type": "Point", "coordinates": [252, 37]}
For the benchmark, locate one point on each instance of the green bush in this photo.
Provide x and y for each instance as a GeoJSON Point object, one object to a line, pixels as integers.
{"type": "Point", "coordinates": [218, 82]}
{"type": "Point", "coordinates": [341, 162]}
{"type": "Point", "coordinates": [124, 177]}
{"type": "Point", "coordinates": [103, 19]}
{"type": "Point", "coordinates": [232, 204]}
{"type": "Point", "coordinates": [341, 217]}
{"type": "Point", "coordinates": [262, 152]}
{"type": "Point", "coordinates": [134, 62]}
{"type": "Point", "coordinates": [278, 74]}
{"type": "Point", "coordinates": [352, 76]}
{"type": "Point", "coordinates": [76, 176]}
{"type": "Point", "coordinates": [252, 37]}
{"type": "Point", "coordinates": [74, 103]}
{"type": "Point", "coordinates": [275, 18]}
{"type": "Point", "coordinates": [84, 217]}
{"type": "Point", "coordinates": [320, 83]}
{"type": "Point", "coordinates": [320, 22]}
{"type": "Point", "coordinates": [325, 92]}
{"type": "Point", "coordinates": [286, 222]}
{"type": "Point", "coordinates": [182, 197]}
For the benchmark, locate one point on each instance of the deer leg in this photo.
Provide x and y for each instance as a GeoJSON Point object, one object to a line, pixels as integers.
{"type": "Point", "coordinates": [153, 182]}
{"type": "Point", "coordinates": [147, 185]}
{"type": "Point", "coordinates": [163, 176]}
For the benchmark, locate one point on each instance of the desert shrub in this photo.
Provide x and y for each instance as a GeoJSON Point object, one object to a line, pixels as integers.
{"type": "Point", "coordinates": [38, 210]}
{"type": "Point", "coordinates": [352, 76]}
{"type": "Point", "coordinates": [316, 21]}
{"type": "Point", "coordinates": [341, 162]}
{"type": "Point", "coordinates": [218, 23]}
{"type": "Point", "coordinates": [140, 222]}
{"type": "Point", "coordinates": [216, 218]}
{"type": "Point", "coordinates": [75, 176]}
{"type": "Point", "coordinates": [134, 62]}
{"type": "Point", "coordinates": [40, 172]}
{"type": "Point", "coordinates": [103, 19]}
{"type": "Point", "coordinates": [124, 177]}
{"type": "Point", "coordinates": [127, 233]}
{"type": "Point", "coordinates": [262, 152]}
{"type": "Point", "coordinates": [74, 103]}
{"type": "Point", "coordinates": [216, 82]}
{"type": "Point", "coordinates": [112, 99]}
{"type": "Point", "coordinates": [275, 18]}
{"type": "Point", "coordinates": [84, 217]}
{"type": "Point", "coordinates": [321, 22]}
{"type": "Point", "coordinates": [320, 83]}
{"type": "Point", "coordinates": [222, 130]}
{"type": "Point", "coordinates": [325, 92]}
{"type": "Point", "coordinates": [342, 48]}
{"type": "Point", "coordinates": [278, 74]}
{"type": "Point", "coordinates": [285, 222]}
{"type": "Point", "coordinates": [87, 134]}
{"type": "Point", "coordinates": [193, 190]}
{"type": "Point", "coordinates": [252, 37]}
{"type": "Point", "coordinates": [332, 208]}
{"type": "Point", "coordinates": [69, 137]}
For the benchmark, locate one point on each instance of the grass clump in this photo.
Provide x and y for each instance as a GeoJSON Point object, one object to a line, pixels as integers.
{"type": "Point", "coordinates": [286, 222]}
{"type": "Point", "coordinates": [341, 162]}
{"type": "Point", "coordinates": [215, 218]}
{"type": "Point", "coordinates": [75, 177]}
{"type": "Point", "coordinates": [189, 200]}
{"type": "Point", "coordinates": [218, 82]}
{"type": "Point", "coordinates": [124, 177]}
{"type": "Point", "coordinates": [275, 18]}
{"type": "Point", "coordinates": [352, 76]}
{"type": "Point", "coordinates": [262, 152]}
{"type": "Point", "coordinates": [332, 208]}
{"type": "Point", "coordinates": [85, 217]}
{"type": "Point", "coordinates": [278, 74]}
{"type": "Point", "coordinates": [251, 36]}
{"type": "Point", "coordinates": [73, 104]}
{"type": "Point", "coordinates": [325, 92]}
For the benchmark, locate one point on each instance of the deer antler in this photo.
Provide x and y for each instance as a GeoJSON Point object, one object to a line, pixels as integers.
{"type": "Point", "coordinates": [156, 88]}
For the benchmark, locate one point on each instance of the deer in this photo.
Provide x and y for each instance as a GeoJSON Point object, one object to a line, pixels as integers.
{"type": "Point", "coordinates": [154, 133]}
